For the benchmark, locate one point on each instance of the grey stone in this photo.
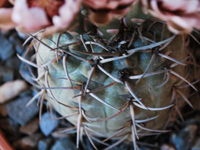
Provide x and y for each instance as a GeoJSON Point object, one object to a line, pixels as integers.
{"type": "Point", "coordinates": [6, 48]}
{"type": "Point", "coordinates": [3, 110]}
{"type": "Point", "coordinates": [26, 93]}
{"type": "Point", "coordinates": [13, 63]}
{"type": "Point", "coordinates": [7, 33]}
{"type": "Point", "coordinates": [28, 142]}
{"type": "Point", "coordinates": [19, 49]}
{"type": "Point", "coordinates": [186, 137]}
{"type": "Point", "coordinates": [87, 144]}
{"type": "Point", "coordinates": [143, 148]}
{"type": "Point", "coordinates": [31, 127]}
{"type": "Point", "coordinates": [23, 36]}
{"type": "Point", "coordinates": [32, 140]}
{"type": "Point", "coordinates": [21, 114]}
{"type": "Point", "coordinates": [48, 125]}
{"type": "Point", "coordinates": [13, 38]}
{"type": "Point", "coordinates": [126, 145]}
{"type": "Point", "coordinates": [45, 144]}
{"type": "Point", "coordinates": [64, 144]}
{"type": "Point", "coordinates": [9, 126]}
{"type": "Point", "coordinates": [167, 147]}
{"type": "Point", "coordinates": [17, 41]}
{"type": "Point", "coordinates": [6, 74]}
{"type": "Point", "coordinates": [194, 119]}
{"type": "Point", "coordinates": [196, 145]}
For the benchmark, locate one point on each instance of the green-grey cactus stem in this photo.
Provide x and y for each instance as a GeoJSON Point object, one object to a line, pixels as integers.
{"type": "Point", "coordinates": [111, 86]}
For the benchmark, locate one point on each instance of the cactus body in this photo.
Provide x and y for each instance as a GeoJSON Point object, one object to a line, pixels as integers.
{"type": "Point", "coordinates": [122, 86]}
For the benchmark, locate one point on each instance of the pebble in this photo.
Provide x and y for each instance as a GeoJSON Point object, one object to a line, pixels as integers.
{"type": "Point", "coordinates": [167, 147]}
{"type": "Point", "coordinates": [32, 140]}
{"type": "Point", "coordinates": [48, 125]}
{"type": "Point", "coordinates": [193, 119]}
{"type": "Point", "coordinates": [6, 74]}
{"type": "Point", "coordinates": [6, 48]}
{"type": "Point", "coordinates": [142, 148]}
{"type": "Point", "coordinates": [185, 138]}
{"type": "Point", "coordinates": [126, 145]}
{"type": "Point", "coordinates": [13, 38]}
{"type": "Point", "coordinates": [21, 114]}
{"type": "Point", "coordinates": [29, 142]}
{"type": "Point", "coordinates": [3, 110]}
{"type": "Point", "coordinates": [11, 128]}
{"type": "Point", "coordinates": [196, 145]}
{"type": "Point", "coordinates": [10, 90]}
{"type": "Point", "coordinates": [31, 127]}
{"type": "Point", "coordinates": [18, 42]}
{"type": "Point", "coordinates": [19, 49]}
{"type": "Point", "coordinates": [13, 63]}
{"type": "Point", "coordinates": [23, 36]}
{"type": "Point", "coordinates": [64, 144]}
{"type": "Point", "coordinates": [26, 93]}
{"type": "Point", "coordinates": [87, 145]}
{"type": "Point", "coordinates": [45, 144]}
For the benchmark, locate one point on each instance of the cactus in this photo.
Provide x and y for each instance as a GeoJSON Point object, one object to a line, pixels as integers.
{"type": "Point", "coordinates": [123, 85]}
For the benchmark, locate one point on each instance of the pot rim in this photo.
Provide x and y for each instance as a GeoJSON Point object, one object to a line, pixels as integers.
{"type": "Point", "coordinates": [4, 145]}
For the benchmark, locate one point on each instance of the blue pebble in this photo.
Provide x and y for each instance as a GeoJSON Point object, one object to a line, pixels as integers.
{"type": "Point", "coordinates": [21, 114]}
{"type": "Point", "coordinates": [48, 125]}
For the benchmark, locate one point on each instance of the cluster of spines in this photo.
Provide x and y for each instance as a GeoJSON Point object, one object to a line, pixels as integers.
{"type": "Point", "coordinates": [98, 58]}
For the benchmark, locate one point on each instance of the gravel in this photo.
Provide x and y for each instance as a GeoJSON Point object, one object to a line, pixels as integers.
{"type": "Point", "coordinates": [21, 114]}
{"type": "Point", "coordinates": [48, 125]}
